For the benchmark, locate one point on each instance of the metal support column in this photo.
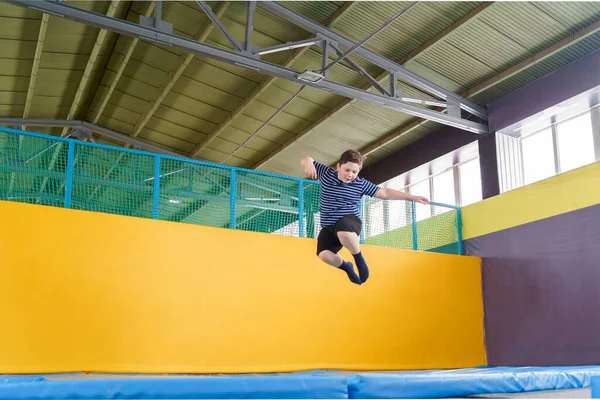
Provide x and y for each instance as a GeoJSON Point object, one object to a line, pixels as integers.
{"type": "Point", "coordinates": [70, 168]}
{"type": "Point", "coordinates": [415, 238]}
{"type": "Point", "coordinates": [301, 208]}
{"type": "Point", "coordinates": [232, 197]}
{"type": "Point", "coordinates": [156, 187]}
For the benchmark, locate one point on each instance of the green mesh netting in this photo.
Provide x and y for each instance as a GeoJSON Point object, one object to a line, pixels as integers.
{"type": "Point", "coordinates": [195, 194]}
{"type": "Point", "coordinates": [267, 203]}
{"type": "Point", "coordinates": [390, 224]}
{"type": "Point", "coordinates": [112, 181]}
{"type": "Point", "coordinates": [34, 169]}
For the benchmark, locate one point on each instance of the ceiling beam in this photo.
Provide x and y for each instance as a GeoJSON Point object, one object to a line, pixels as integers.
{"type": "Point", "coordinates": [100, 130]}
{"type": "Point", "coordinates": [424, 48]}
{"type": "Point", "coordinates": [112, 9]}
{"type": "Point", "coordinates": [260, 89]}
{"type": "Point", "coordinates": [122, 67]}
{"type": "Point", "coordinates": [32, 81]}
{"type": "Point", "coordinates": [377, 59]}
{"type": "Point", "coordinates": [250, 62]}
{"type": "Point", "coordinates": [522, 66]}
{"type": "Point", "coordinates": [174, 75]}
{"type": "Point", "coordinates": [36, 64]}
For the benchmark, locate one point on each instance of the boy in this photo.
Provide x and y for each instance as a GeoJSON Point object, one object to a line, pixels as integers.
{"type": "Point", "coordinates": [341, 192]}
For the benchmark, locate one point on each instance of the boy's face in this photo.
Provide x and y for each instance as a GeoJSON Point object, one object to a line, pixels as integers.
{"type": "Point", "coordinates": [347, 172]}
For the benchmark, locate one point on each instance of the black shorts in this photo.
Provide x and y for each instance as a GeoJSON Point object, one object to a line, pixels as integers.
{"type": "Point", "coordinates": [328, 239]}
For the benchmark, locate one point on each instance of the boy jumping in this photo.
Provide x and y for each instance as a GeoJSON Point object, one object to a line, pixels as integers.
{"type": "Point", "coordinates": [341, 192]}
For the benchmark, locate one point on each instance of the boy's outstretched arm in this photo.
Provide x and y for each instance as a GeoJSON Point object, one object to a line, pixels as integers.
{"type": "Point", "coordinates": [309, 167]}
{"type": "Point", "coordinates": [391, 194]}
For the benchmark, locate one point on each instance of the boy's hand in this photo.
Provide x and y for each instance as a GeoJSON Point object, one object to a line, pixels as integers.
{"type": "Point", "coordinates": [309, 167]}
{"type": "Point", "coordinates": [310, 170]}
{"type": "Point", "coordinates": [420, 199]}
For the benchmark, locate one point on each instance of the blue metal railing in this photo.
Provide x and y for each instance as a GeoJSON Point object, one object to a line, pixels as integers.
{"type": "Point", "coordinates": [233, 172]}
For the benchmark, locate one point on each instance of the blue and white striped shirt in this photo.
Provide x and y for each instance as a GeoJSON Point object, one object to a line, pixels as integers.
{"type": "Point", "coordinates": [338, 199]}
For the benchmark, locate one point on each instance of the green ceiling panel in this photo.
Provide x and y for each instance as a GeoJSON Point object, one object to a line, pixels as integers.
{"type": "Point", "coordinates": [194, 107]}
{"type": "Point", "coordinates": [140, 71]}
{"type": "Point", "coordinates": [187, 121]}
{"type": "Point", "coordinates": [219, 78]}
{"type": "Point", "coordinates": [166, 140]}
{"type": "Point", "coordinates": [16, 98]}
{"type": "Point", "coordinates": [15, 67]}
{"type": "Point", "coordinates": [509, 18]}
{"type": "Point", "coordinates": [299, 107]}
{"type": "Point", "coordinates": [124, 100]}
{"type": "Point", "coordinates": [206, 94]}
{"type": "Point", "coordinates": [12, 110]}
{"type": "Point", "coordinates": [175, 130]}
{"type": "Point", "coordinates": [478, 38]}
{"type": "Point", "coordinates": [11, 48]}
{"type": "Point", "coordinates": [19, 29]}
{"type": "Point", "coordinates": [139, 90]}
{"type": "Point", "coordinates": [155, 56]}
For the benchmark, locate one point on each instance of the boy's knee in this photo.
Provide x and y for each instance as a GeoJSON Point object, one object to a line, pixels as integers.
{"type": "Point", "coordinates": [322, 255]}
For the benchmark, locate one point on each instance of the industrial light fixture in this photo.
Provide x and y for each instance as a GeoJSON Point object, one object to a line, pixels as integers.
{"type": "Point", "coordinates": [311, 76]}
{"type": "Point", "coordinates": [291, 46]}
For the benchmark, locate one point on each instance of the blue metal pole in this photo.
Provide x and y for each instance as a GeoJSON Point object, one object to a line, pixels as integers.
{"type": "Point", "coordinates": [301, 209]}
{"type": "Point", "coordinates": [232, 198]}
{"type": "Point", "coordinates": [156, 188]}
{"type": "Point", "coordinates": [361, 211]}
{"type": "Point", "coordinates": [414, 226]}
{"type": "Point", "coordinates": [461, 249]}
{"type": "Point", "coordinates": [70, 167]}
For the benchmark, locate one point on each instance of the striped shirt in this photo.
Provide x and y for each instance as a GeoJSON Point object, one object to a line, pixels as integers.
{"type": "Point", "coordinates": [338, 199]}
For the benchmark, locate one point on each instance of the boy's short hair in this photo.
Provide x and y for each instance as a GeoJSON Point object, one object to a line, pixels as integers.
{"type": "Point", "coordinates": [352, 156]}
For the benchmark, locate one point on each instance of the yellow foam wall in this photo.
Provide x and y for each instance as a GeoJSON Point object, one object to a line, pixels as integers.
{"type": "Point", "coordinates": [83, 291]}
{"type": "Point", "coordinates": [566, 192]}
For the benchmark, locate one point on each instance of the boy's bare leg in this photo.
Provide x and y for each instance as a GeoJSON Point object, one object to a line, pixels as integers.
{"type": "Point", "coordinates": [350, 241]}
{"type": "Point", "coordinates": [331, 258]}
{"type": "Point", "coordinates": [337, 261]}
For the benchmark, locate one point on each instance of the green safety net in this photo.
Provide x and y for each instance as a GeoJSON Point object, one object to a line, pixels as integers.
{"type": "Point", "coordinates": [37, 169]}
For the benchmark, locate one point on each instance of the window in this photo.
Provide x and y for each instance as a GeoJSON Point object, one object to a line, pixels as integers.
{"type": "Point", "coordinates": [376, 217]}
{"type": "Point", "coordinates": [538, 156]}
{"type": "Point", "coordinates": [443, 188]}
{"type": "Point", "coordinates": [398, 212]}
{"type": "Point", "coordinates": [470, 182]}
{"type": "Point", "coordinates": [575, 142]}
{"type": "Point", "coordinates": [421, 189]}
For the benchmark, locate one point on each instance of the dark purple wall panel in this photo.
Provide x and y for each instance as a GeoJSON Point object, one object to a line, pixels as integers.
{"type": "Point", "coordinates": [488, 165]}
{"type": "Point", "coordinates": [541, 285]}
{"type": "Point", "coordinates": [432, 146]}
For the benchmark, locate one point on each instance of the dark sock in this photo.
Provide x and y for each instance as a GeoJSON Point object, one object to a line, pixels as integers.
{"type": "Point", "coordinates": [349, 269]}
{"type": "Point", "coordinates": [361, 264]}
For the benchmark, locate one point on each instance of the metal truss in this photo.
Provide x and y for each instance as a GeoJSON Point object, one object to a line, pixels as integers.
{"type": "Point", "coordinates": [244, 55]}
{"type": "Point", "coordinates": [83, 129]}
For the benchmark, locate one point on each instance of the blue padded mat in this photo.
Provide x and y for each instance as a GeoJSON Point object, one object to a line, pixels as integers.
{"type": "Point", "coordinates": [309, 384]}
{"type": "Point", "coordinates": [596, 387]}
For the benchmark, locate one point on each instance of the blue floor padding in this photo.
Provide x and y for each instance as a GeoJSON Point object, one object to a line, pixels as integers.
{"type": "Point", "coordinates": [310, 384]}
{"type": "Point", "coordinates": [596, 387]}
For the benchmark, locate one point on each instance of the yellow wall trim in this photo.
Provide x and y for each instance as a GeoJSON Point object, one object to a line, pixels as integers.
{"type": "Point", "coordinates": [566, 192]}
{"type": "Point", "coordinates": [84, 291]}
